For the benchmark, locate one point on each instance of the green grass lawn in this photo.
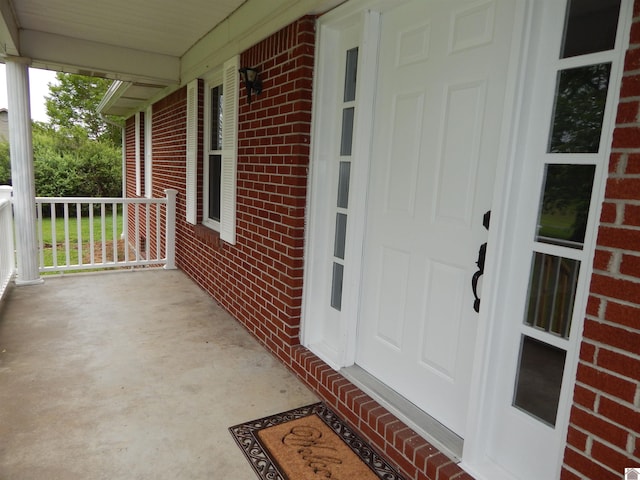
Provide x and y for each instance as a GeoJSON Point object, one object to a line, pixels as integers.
{"type": "Point", "coordinates": [85, 230]}
{"type": "Point", "coordinates": [557, 225]}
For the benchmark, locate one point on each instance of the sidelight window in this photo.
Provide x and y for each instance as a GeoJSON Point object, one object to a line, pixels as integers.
{"type": "Point", "coordinates": [573, 163]}
{"type": "Point", "coordinates": [344, 173]}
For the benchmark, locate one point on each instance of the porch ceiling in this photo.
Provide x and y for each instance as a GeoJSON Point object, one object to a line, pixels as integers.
{"type": "Point", "coordinates": [149, 46]}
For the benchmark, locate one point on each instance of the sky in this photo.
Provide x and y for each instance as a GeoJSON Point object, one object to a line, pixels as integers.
{"type": "Point", "coordinates": [38, 80]}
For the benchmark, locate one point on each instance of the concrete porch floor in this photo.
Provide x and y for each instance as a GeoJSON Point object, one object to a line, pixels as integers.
{"type": "Point", "coordinates": [129, 375]}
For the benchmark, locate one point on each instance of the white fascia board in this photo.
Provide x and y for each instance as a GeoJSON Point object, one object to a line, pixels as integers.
{"type": "Point", "coordinates": [114, 62]}
{"type": "Point", "coordinates": [252, 22]}
{"type": "Point", "coordinates": [115, 91]}
{"type": "Point", "coordinates": [9, 32]}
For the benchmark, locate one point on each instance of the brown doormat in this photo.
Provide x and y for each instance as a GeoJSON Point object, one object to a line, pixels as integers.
{"type": "Point", "coordinates": [309, 443]}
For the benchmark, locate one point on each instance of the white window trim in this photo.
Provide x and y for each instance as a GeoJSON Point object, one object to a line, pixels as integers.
{"type": "Point", "coordinates": [148, 160]}
{"type": "Point", "coordinates": [229, 79]}
{"type": "Point", "coordinates": [211, 82]}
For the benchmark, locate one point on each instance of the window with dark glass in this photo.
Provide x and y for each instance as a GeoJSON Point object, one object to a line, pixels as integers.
{"type": "Point", "coordinates": [539, 380]}
{"type": "Point", "coordinates": [576, 126]}
{"type": "Point", "coordinates": [215, 165]}
{"type": "Point", "coordinates": [216, 118]}
{"type": "Point", "coordinates": [215, 157]}
{"type": "Point", "coordinates": [581, 95]}
{"type": "Point", "coordinates": [552, 292]}
{"type": "Point", "coordinates": [564, 208]}
{"type": "Point", "coordinates": [590, 27]}
{"type": "Point", "coordinates": [344, 174]}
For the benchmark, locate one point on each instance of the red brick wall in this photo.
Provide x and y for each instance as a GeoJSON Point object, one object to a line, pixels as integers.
{"type": "Point", "coordinates": [259, 280]}
{"type": "Point", "coordinates": [604, 431]}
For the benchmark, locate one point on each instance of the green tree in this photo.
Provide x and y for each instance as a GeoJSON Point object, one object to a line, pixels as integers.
{"type": "Point", "coordinates": [5, 164]}
{"type": "Point", "coordinates": [68, 164]}
{"type": "Point", "coordinates": [74, 101]}
{"type": "Point", "coordinates": [77, 153]}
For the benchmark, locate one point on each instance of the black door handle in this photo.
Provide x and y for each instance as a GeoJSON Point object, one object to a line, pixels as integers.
{"type": "Point", "coordinates": [482, 253]}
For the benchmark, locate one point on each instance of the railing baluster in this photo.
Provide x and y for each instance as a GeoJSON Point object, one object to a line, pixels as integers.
{"type": "Point", "coordinates": [40, 235]}
{"type": "Point", "coordinates": [147, 221]}
{"type": "Point", "coordinates": [114, 226]}
{"type": "Point", "coordinates": [136, 240]}
{"type": "Point", "coordinates": [54, 240]}
{"type": "Point", "coordinates": [125, 230]}
{"type": "Point", "coordinates": [79, 231]}
{"type": "Point", "coordinates": [91, 236]}
{"type": "Point", "coordinates": [67, 248]}
{"type": "Point", "coordinates": [103, 232]}
{"type": "Point", "coordinates": [158, 230]}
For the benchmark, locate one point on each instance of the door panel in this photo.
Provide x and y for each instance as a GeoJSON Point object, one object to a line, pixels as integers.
{"type": "Point", "coordinates": [439, 101]}
{"type": "Point", "coordinates": [404, 142]}
{"type": "Point", "coordinates": [458, 160]}
{"type": "Point", "coordinates": [443, 317]}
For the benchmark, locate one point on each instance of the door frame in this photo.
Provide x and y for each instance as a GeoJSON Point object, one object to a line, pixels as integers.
{"type": "Point", "coordinates": [368, 13]}
{"type": "Point", "coordinates": [498, 273]}
{"type": "Point", "coordinates": [342, 355]}
{"type": "Point", "coordinates": [477, 458]}
{"type": "Point", "coordinates": [325, 134]}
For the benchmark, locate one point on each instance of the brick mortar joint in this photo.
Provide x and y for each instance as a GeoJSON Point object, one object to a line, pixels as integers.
{"type": "Point", "coordinates": [605, 301]}
{"type": "Point", "coordinates": [621, 201]}
{"type": "Point", "coordinates": [608, 373]}
{"type": "Point", "coordinates": [591, 459]}
{"type": "Point", "coordinates": [618, 225]}
{"type": "Point", "coordinates": [600, 394]}
{"type": "Point", "coordinates": [628, 450]}
{"type": "Point", "coordinates": [623, 176]}
{"type": "Point", "coordinates": [571, 470]}
{"type": "Point", "coordinates": [625, 151]}
{"type": "Point", "coordinates": [636, 72]}
{"type": "Point", "coordinates": [616, 275]}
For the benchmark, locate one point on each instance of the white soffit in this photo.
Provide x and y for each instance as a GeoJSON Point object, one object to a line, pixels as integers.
{"type": "Point", "coordinates": [147, 46]}
{"type": "Point", "coordinates": [120, 39]}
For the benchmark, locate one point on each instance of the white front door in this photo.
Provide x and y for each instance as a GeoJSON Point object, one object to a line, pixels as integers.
{"type": "Point", "coordinates": [442, 74]}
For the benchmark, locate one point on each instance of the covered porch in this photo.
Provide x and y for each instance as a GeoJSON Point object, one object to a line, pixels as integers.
{"type": "Point", "coordinates": [130, 374]}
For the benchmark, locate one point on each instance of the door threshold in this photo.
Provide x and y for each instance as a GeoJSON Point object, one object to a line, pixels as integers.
{"type": "Point", "coordinates": [423, 424]}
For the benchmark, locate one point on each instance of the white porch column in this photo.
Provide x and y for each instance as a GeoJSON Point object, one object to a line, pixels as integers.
{"type": "Point", "coordinates": [22, 176]}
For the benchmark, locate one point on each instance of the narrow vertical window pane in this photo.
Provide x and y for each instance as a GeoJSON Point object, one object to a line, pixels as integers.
{"type": "Point", "coordinates": [336, 286]}
{"type": "Point", "coordinates": [347, 131]}
{"type": "Point", "coordinates": [343, 184]}
{"type": "Point", "coordinates": [215, 166]}
{"type": "Point", "coordinates": [341, 234]}
{"type": "Point", "coordinates": [216, 118]}
{"type": "Point", "coordinates": [590, 27]}
{"type": "Point", "coordinates": [552, 291]}
{"type": "Point", "coordinates": [564, 209]}
{"type": "Point", "coordinates": [539, 379]}
{"type": "Point", "coordinates": [350, 75]}
{"type": "Point", "coordinates": [581, 94]}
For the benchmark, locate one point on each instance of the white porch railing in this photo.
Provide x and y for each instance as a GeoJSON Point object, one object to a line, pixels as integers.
{"type": "Point", "coordinates": [82, 233]}
{"type": "Point", "coordinates": [7, 253]}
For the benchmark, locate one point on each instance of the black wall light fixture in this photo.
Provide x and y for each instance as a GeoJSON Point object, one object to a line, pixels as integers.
{"type": "Point", "coordinates": [252, 82]}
